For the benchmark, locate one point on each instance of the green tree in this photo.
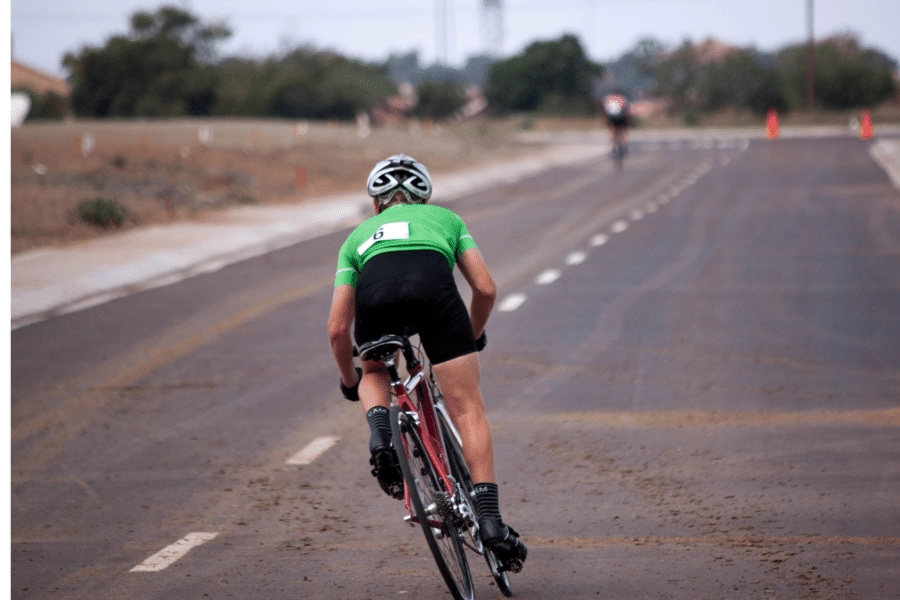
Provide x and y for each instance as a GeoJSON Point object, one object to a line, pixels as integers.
{"type": "Point", "coordinates": [46, 106]}
{"type": "Point", "coordinates": [847, 75]}
{"type": "Point", "coordinates": [439, 100]}
{"type": "Point", "coordinates": [163, 67]}
{"type": "Point", "coordinates": [741, 78]}
{"type": "Point", "coordinates": [553, 76]}
{"type": "Point", "coordinates": [304, 83]}
{"type": "Point", "coordinates": [678, 79]}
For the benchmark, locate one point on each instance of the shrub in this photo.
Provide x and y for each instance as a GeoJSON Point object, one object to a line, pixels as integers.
{"type": "Point", "coordinates": [439, 99]}
{"type": "Point", "coordinates": [102, 212]}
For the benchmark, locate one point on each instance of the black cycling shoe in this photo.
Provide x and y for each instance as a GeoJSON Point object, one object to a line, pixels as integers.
{"type": "Point", "coordinates": [504, 542]}
{"type": "Point", "coordinates": [386, 467]}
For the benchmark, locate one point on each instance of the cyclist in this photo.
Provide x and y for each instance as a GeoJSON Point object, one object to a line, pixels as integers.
{"type": "Point", "coordinates": [616, 109]}
{"type": "Point", "coordinates": [395, 271]}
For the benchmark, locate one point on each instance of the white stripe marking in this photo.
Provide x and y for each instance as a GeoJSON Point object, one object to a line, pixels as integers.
{"type": "Point", "coordinates": [651, 207]}
{"type": "Point", "coordinates": [173, 552]}
{"type": "Point", "coordinates": [619, 226]}
{"type": "Point", "coordinates": [637, 215]}
{"type": "Point", "coordinates": [576, 258]}
{"type": "Point", "coordinates": [599, 239]}
{"type": "Point", "coordinates": [512, 302]}
{"type": "Point", "coordinates": [313, 450]}
{"type": "Point", "coordinates": [547, 277]}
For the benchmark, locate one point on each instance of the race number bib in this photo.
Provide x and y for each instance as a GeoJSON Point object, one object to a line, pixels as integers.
{"type": "Point", "coordinates": [388, 231]}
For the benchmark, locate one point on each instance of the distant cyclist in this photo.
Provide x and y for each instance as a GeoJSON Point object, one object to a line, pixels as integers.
{"type": "Point", "coordinates": [395, 271]}
{"type": "Point", "coordinates": [616, 109]}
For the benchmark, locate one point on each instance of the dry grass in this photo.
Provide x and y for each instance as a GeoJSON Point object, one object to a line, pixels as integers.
{"type": "Point", "coordinates": [161, 172]}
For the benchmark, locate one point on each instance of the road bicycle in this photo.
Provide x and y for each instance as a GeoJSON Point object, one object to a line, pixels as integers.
{"type": "Point", "coordinates": [619, 147]}
{"type": "Point", "coordinates": [438, 489]}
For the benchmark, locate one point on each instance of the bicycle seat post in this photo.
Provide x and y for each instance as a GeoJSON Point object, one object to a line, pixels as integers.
{"type": "Point", "coordinates": [391, 366]}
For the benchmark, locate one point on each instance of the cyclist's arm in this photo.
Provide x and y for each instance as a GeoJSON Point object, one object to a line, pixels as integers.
{"type": "Point", "coordinates": [343, 308]}
{"type": "Point", "coordinates": [484, 291]}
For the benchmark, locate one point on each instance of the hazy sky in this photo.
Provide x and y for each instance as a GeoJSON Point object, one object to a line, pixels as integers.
{"type": "Point", "coordinates": [43, 30]}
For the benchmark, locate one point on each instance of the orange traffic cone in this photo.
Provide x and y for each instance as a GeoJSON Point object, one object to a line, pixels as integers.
{"type": "Point", "coordinates": [865, 128]}
{"type": "Point", "coordinates": [772, 124]}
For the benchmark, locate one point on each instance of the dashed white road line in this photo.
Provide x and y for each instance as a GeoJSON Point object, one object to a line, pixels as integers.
{"type": "Point", "coordinates": [619, 226]}
{"type": "Point", "coordinates": [547, 277]}
{"type": "Point", "coordinates": [651, 207]}
{"type": "Point", "coordinates": [599, 239]}
{"type": "Point", "coordinates": [576, 258]}
{"type": "Point", "coordinates": [636, 215]}
{"type": "Point", "coordinates": [313, 450]}
{"type": "Point", "coordinates": [512, 302]}
{"type": "Point", "coordinates": [173, 552]}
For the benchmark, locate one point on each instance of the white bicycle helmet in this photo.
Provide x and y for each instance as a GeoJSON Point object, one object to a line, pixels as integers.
{"type": "Point", "coordinates": [399, 173]}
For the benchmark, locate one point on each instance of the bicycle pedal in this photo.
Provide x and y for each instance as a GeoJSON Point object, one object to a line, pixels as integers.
{"type": "Point", "coordinates": [513, 566]}
{"type": "Point", "coordinates": [396, 491]}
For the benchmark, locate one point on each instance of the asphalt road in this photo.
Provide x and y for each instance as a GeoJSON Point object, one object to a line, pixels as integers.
{"type": "Point", "coordinates": [694, 390]}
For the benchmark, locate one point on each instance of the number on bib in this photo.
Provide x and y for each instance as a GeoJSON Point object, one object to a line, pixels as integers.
{"type": "Point", "coordinates": [388, 231]}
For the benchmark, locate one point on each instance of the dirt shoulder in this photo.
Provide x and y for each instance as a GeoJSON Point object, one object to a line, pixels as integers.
{"type": "Point", "coordinates": [169, 171]}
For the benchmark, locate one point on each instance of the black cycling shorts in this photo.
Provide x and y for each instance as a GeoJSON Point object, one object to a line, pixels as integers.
{"type": "Point", "coordinates": [618, 120]}
{"type": "Point", "coordinates": [413, 290]}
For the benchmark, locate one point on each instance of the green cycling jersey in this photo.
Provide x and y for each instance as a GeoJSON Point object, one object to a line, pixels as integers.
{"type": "Point", "coordinates": [403, 227]}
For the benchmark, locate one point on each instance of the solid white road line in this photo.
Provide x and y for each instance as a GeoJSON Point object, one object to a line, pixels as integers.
{"type": "Point", "coordinates": [313, 450]}
{"type": "Point", "coordinates": [599, 239]}
{"type": "Point", "coordinates": [512, 302]}
{"type": "Point", "coordinates": [547, 277]}
{"type": "Point", "coordinates": [576, 258]}
{"type": "Point", "coordinates": [619, 226]}
{"type": "Point", "coordinates": [173, 552]}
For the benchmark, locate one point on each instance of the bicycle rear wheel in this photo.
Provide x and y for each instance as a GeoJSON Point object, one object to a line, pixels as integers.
{"type": "Point", "coordinates": [430, 504]}
{"type": "Point", "coordinates": [460, 472]}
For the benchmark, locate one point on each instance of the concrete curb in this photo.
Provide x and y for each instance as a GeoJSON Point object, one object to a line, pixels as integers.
{"type": "Point", "coordinates": [53, 281]}
{"type": "Point", "coordinates": [887, 154]}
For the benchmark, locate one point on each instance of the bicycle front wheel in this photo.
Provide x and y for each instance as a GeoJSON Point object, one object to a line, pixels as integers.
{"type": "Point", "coordinates": [431, 506]}
{"type": "Point", "coordinates": [460, 472]}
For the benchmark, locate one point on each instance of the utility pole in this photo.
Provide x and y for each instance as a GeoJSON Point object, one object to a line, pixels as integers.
{"type": "Point", "coordinates": [441, 31]}
{"type": "Point", "coordinates": [810, 58]}
{"type": "Point", "coordinates": [492, 27]}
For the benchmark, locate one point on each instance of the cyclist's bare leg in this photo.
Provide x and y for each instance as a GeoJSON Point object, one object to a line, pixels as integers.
{"type": "Point", "coordinates": [374, 387]}
{"type": "Point", "coordinates": [459, 379]}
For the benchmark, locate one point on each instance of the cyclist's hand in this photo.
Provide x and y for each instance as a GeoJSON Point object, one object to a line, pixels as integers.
{"type": "Point", "coordinates": [352, 393]}
{"type": "Point", "coordinates": [481, 342]}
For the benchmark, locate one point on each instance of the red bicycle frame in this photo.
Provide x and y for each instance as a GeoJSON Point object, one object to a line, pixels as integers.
{"type": "Point", "coordinates": [423, 412]}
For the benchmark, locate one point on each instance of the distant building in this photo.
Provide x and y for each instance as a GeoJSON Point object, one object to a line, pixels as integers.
{"type": "Point", "coordinates": [22, 76]}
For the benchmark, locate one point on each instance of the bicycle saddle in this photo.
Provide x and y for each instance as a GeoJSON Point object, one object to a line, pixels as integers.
{"type": "Point", "coordinates": [381, 348]}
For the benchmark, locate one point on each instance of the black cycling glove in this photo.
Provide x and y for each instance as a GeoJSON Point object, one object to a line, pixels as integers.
{"type": "Point", "coordinates": [351, 393]}
{"type": "Point", "coordinates": [481, 342]}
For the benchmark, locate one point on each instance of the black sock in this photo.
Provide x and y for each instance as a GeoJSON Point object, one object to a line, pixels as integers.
{"type": "Point", "coordinates": [380, 423]}
{"type": "Point", "coordinates": [487, 500]}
